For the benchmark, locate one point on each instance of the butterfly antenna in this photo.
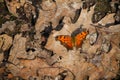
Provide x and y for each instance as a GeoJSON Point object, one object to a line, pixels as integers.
{"type": "Point", "coordinates": [81, 26]}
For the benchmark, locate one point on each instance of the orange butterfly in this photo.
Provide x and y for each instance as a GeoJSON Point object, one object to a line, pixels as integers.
{"type": "Point", "coordinates": [70, 42]}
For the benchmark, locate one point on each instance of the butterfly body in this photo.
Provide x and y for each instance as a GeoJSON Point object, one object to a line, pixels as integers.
{"type": "Point", "coordinates": [72, 41]}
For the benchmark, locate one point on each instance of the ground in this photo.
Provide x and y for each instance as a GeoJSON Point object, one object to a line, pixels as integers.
{"type": "Point", "coordinates": [59, 39]}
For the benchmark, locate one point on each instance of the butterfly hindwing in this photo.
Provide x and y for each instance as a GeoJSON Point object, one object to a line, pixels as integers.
{"type": "Point", "coordinates": [65, 40]}
{"type": "Point", "coordinates": [79, 38]}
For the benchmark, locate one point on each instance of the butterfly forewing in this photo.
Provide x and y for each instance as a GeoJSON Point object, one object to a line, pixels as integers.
{"type": "Point", "coordinates": [65, 40]}
{"type": "Point", "coordinates": [79, 38]}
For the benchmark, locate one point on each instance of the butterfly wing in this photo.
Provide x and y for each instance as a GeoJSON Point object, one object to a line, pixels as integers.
{"type": "Point", "coordinates": [79, 38]}
{"type": "Point", "coordinates": [65, 41]}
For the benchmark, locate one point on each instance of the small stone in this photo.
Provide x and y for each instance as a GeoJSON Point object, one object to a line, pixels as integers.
{"type": "Point", "coordinates": [93, 38]}
{"type": "Point", "coordinates": [106, 46]}
{"type": "Point", "coordinates": [97, 16]}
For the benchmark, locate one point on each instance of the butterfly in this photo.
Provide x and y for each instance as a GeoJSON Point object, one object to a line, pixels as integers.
{"type": "Point", "coordinates": [72, 41]}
